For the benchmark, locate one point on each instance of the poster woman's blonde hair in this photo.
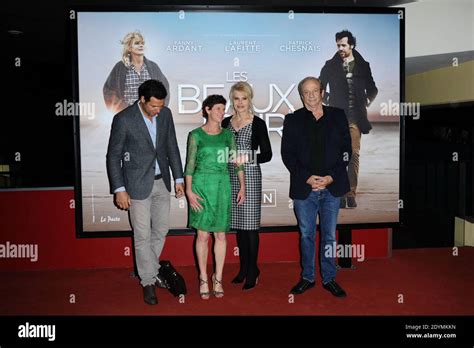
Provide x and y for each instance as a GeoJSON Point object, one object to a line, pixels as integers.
{"type": "Point", "coordinates": [127, 43]}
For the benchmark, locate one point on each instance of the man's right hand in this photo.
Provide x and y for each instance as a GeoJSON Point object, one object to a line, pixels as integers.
{"type": "Point", "coordinates": [122, 200]}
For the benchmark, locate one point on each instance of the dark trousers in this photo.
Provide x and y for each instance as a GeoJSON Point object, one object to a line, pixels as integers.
{"type": "Point", "coordinates": [248, 241]}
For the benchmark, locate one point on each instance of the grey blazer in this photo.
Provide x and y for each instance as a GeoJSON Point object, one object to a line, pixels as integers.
{"type": "Point", "coordinates": [131, 155]}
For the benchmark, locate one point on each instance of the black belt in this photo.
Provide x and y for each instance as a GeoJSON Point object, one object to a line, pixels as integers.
{"type": "Point", "coordinates": [158, 177]}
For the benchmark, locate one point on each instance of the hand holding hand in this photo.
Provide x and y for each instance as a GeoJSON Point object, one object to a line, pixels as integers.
{"type": "Point", "coordinates": [179, 190]}
{"type": "Point", "coordinates": [319, 182]}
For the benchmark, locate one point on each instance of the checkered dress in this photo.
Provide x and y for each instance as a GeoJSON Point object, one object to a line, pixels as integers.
{"type": "Point", "coordinates": [247, 215]}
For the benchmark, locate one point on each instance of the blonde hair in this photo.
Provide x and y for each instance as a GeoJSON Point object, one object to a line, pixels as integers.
{"type": "Point", "coordinates": [243, 87]}
{"type": "Point", "coordinates": [127, 43]}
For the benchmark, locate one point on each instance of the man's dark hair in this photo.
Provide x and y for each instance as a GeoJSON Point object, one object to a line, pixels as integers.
{"type": "Point", "coordinates": [351, 40]}
{"type": "Point", "coordinates": [210, 102]}
{"type": "Point", "coordinates": [152, 88]}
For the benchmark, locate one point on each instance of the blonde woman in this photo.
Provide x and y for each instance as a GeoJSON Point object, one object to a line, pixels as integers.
{"type": "Point", "coordinates": [121, 88]}
{"type": "Point", "coordinates": [250, 134]}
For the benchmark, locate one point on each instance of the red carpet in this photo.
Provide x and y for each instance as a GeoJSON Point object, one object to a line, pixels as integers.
{"type": "Point", "coordinates": [431, 282]}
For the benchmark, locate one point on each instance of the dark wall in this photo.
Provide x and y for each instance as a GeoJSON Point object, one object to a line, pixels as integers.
{"type": "Point", "coordinates": [34, 141]}
{"type": "Point", "coordinates": [439, 175]}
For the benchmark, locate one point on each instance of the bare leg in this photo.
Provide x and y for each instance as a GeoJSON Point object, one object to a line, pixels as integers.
{"type": "Point", "coordinates": [202, 251]}
{"type": "Point", "coordinates": [220, 246]}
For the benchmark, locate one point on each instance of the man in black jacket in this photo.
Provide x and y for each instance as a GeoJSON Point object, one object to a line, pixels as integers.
{"type": "Point", "coordinates": [352, 88]}
{"type": "Point", "coordinates": [316, 147]}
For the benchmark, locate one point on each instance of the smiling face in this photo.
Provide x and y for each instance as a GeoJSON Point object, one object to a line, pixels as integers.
{"type": "Point", "coordinates": [312, 94]}
{"type": "Point", "coordinates": [216, 113]}
{"type": "Point", "coordinates": [241, 102]}
{"type": "Point", "coordinates": [343, 48]}
{"type": "Point", "coordinates": [137, 46]}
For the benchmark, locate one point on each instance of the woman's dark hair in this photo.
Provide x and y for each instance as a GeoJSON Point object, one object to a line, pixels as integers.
{"type": "Point", "coordinates": [152, 88]}
{"type": "Point", "coordinates": [210, 102]}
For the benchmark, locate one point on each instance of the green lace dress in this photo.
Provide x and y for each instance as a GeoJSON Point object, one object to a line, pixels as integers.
{"type": "Point", "coordinates": [206, 162]}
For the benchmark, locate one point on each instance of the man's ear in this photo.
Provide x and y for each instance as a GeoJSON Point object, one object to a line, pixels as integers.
{"type": "Point", "coordinates": [352, 47]}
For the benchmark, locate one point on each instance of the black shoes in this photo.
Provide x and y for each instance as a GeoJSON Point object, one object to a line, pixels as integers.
{"type": "Point", "coordinates": [334, 289]}
{"type": "Point", "coordinates": [239, 279]}
{"type": "Point", "coordinates": [351, 202]}
{"type": "Point", "coordinates": [302, 286]}
{"type": "Point", "coordinates": [149, 295]}
{"type": "Point", "coordinates": [251, 283]}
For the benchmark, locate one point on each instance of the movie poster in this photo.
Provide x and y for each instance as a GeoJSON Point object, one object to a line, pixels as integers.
{"type": "Point", "coordinates": [200, 53]}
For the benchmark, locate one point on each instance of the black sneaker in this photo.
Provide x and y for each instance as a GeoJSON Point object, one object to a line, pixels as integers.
{"type": "Point", "coordinates": [302, 286]}
{"type": "Point", "coordinates": [351, 202]}
{"type": "Point", "coordinates": [334, 289]}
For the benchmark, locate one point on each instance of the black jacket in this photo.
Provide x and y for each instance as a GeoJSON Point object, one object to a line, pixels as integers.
{"type": "Point", "coordinates": [295, 151]}
{"type": "Point", "coordinates": [333, 74]}
{"type": "Point", "coordinates": [259, 138]}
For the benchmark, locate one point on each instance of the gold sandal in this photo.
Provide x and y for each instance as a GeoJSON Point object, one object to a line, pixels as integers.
{"type": "Point", "coordinates": [215, 282]}
{"type": "Point", "coordinates": [206, 294]}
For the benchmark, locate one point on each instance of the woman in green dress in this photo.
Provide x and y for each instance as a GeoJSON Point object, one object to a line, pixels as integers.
{"type": "Point", "coordinates": [210, 148]}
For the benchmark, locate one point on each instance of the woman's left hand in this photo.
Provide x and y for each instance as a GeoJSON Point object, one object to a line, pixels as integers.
{"type": "Point", "coordinates": [241, 196]}
{"type": "Point", "coordinates": [241, 159]}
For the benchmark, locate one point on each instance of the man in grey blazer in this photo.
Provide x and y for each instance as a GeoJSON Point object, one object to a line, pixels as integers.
{"type": "Point", "coordinates": [142, 148]}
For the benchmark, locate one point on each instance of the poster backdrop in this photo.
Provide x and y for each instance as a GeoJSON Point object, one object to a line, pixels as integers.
{"type": "Point", "coordinates": [202, 53]}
